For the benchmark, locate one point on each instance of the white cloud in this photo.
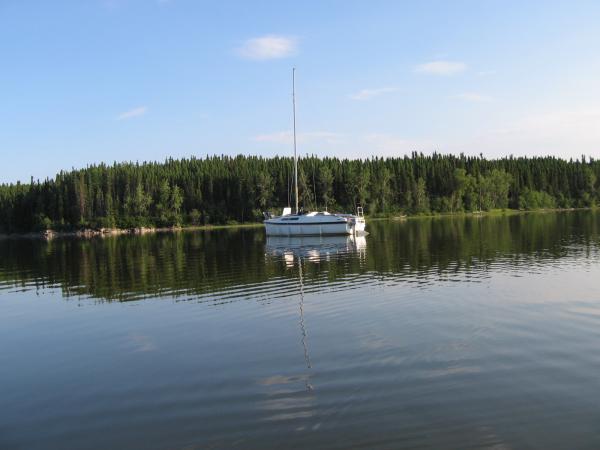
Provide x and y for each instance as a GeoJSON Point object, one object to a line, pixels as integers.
{"type": "Point", "coordinates": [135, 112]}
{"type": "Point", "coordinates": [472, 97]}
{"type": "Point", "coordinates": [367, 94]}
{"type": "Point", "coordinates": [286, 137]}
{"type": "Point", "coordinates": [268, 47]}
{"type": "Point", "coordinates": [441, 67]}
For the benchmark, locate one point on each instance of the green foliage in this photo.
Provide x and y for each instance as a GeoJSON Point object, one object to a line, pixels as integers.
{"type": "Point", "coordinates": [42, 222]}
{"type": "Point", "coordinates": [222, 189]}
{"type": "Point", "coordinates": [530, 199]}
{"type": "Point", "coordinates": [498, 185]}
{"type": "Point", "coordinates": [420, 197]}
{"type": "Point", "coordinates": [195, 217]}
{"type": "Point", "coordinates": [325, 186]}
{"type": "Point", "coordinates": [465, 193]}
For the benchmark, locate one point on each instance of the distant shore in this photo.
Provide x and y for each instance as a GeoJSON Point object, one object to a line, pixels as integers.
{"type": "Point", "coordinates": [88, 233]}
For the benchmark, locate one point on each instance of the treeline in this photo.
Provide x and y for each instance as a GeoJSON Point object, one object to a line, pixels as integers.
{"type": "Point", "coordinates": [222, 189]}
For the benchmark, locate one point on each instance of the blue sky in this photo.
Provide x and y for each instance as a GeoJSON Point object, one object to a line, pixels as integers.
{"type": "Point", "coordinates": [116, 80]}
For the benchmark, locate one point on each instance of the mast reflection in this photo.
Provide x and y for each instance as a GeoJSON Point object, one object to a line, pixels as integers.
{"type": "Point", "coordinates": [303, 249]}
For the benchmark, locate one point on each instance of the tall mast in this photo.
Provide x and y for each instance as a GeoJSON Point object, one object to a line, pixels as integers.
{"type": "Point", "coordinates": [295, 154]}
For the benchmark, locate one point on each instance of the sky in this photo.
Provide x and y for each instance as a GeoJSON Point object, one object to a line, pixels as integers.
{"type": "Point", "coordinates": [89, 81]}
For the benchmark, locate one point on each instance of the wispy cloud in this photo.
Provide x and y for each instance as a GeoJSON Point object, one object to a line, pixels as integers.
{"type": "Point", "coordinates": [367, 94]}
{"type": "Point", "coordinates": [135, 112]}
{"type": "Point", "coordinates": [441, 67]}
{"type": "Point", "coordinates": [268, 47]}
{"type": "Point", "coordinates": [286, 137]}
{"type": "Point", "coordinates": [472, 97]}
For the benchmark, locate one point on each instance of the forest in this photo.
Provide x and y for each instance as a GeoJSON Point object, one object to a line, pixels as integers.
{"type": "Point", "coordinates": [228, 190]}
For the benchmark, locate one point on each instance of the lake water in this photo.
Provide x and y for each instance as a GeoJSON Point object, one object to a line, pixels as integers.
{"type": "Point", "coordinates": [479, 332]}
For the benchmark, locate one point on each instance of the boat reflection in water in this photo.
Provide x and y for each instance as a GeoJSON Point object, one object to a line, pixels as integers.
{"type": "Point", "coordinates": [296, 251]}
{"type": "Point", "coordinates": [314, 248]}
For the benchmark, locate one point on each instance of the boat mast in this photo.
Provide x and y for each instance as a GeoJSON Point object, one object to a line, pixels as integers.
{"type": "Point", "coordinates": [295, 154]}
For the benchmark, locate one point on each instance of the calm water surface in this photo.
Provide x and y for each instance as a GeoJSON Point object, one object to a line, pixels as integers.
{"type": "Point", "coordinates": [441, 333]}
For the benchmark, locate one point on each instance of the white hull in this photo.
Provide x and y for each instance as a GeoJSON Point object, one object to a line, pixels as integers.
{"type": "Point", "coordinates": [307, 230]}
{"type": "Point", "coordinates": [314, 224]}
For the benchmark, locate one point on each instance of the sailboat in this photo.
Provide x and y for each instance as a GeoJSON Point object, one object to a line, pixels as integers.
{"type": "Point", "coordinates": [314, 222]}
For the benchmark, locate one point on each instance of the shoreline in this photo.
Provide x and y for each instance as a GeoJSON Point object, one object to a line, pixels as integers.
{"type": "Point", "coordinates": [88, 233]}
{"type": "Point", "coordinates": [491, 213]}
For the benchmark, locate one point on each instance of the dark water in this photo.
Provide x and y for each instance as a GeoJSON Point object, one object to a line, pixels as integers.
{"type": "Point", "coordinates": [444, 333]}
